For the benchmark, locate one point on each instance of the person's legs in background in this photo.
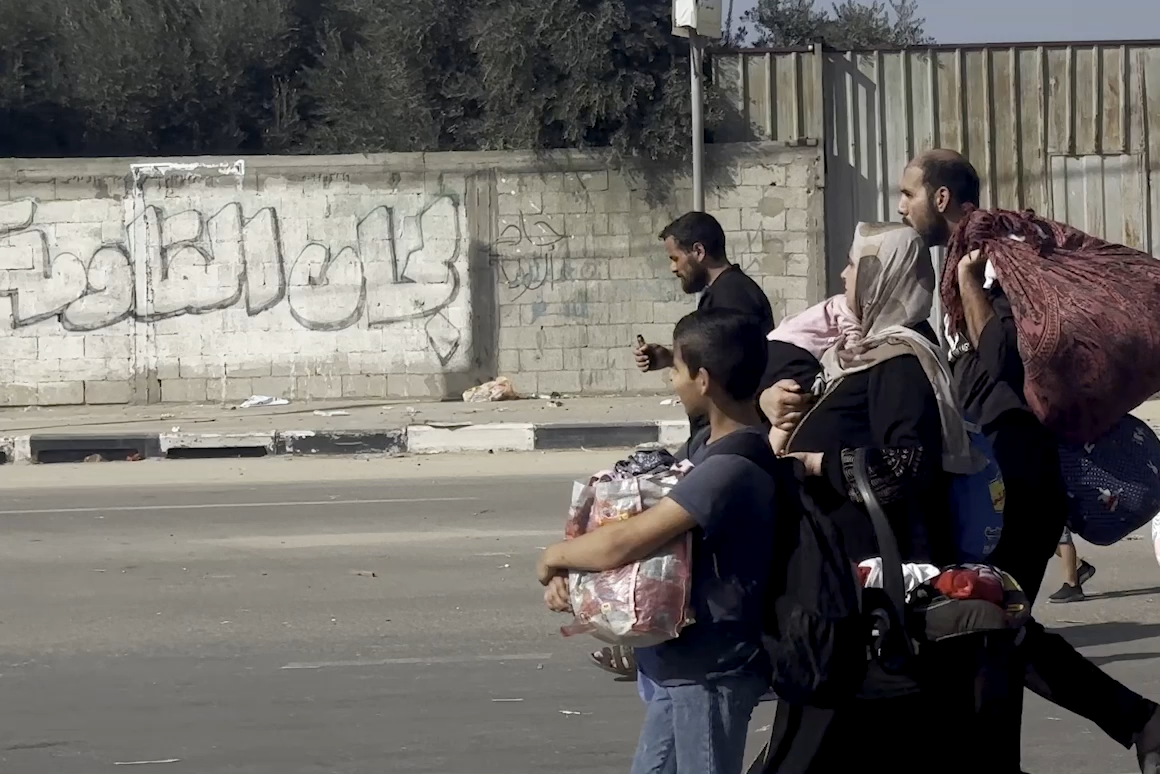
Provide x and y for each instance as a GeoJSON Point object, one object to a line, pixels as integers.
{"type": "Point", "coordinates": [1076, 572]}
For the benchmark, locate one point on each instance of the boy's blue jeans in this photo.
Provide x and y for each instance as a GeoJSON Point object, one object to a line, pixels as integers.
{"type": "Point", "coordinates": [696, 729]}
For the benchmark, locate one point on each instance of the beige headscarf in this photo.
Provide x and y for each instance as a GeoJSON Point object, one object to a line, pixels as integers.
{"type": "Point", "coordinates": [894, 290]}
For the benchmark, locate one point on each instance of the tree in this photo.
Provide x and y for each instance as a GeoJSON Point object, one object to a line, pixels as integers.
{"type": "Point", "coordinates": [135, 77]}
{"type": "Point", "coordinates": [138, 77]}
{"type": "Point", "coordinates": [847, 25]}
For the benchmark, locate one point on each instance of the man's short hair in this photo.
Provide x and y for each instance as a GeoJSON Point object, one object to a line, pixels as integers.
{"type": "Point", "coordinates": [953, 172]}
{"type": "Point", "coordinates": [730, 346]}
{"type": "Point", "coordinates": [697, 228]}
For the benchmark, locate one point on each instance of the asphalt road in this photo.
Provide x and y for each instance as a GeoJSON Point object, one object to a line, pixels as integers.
{"type": "Point", "coordinates": [224, 614]}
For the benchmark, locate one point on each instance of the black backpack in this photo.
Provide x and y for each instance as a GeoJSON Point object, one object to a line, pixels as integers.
{"type": "Point", "coordinates": [817, 635]}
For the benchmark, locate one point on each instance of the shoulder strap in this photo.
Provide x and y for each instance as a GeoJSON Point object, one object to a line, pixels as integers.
{"type": "Point", "coordinates": [892, 579]}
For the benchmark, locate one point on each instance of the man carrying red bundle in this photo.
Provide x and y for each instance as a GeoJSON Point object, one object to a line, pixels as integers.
{"type": "Point", "coordinates": [987, 367]}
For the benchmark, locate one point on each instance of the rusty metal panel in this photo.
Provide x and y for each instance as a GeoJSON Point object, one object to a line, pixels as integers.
{"type": "Point", "coordinates": [1106, 196]}
{"type": "Point", "coordinates": [768, 95]}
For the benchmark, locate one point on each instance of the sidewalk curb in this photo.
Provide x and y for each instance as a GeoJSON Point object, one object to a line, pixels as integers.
{"type": "Point", "coordinates": [435, 438]}
{"type": "Point", "coordinates": [443, 438]}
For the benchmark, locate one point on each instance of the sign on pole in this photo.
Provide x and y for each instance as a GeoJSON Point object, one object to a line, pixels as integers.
{"type": "Point", "coordinates": [702, 17]}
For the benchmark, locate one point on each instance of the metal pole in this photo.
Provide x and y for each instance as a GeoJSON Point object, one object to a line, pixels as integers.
{"type": "Point", "coordinates": [698, 100]}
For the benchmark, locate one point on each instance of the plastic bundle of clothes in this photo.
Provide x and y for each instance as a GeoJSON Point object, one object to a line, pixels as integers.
{"type": "Point", "coordinates": [646, 602]}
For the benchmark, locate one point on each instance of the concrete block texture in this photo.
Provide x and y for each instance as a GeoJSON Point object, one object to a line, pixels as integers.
{"type": "Point", "coordinates": [367, 277]}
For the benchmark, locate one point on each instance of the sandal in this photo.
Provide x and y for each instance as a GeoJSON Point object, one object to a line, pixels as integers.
{"type": "Point", "coordinates": [617, 659]}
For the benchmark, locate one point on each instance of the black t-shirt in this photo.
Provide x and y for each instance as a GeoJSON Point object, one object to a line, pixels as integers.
{"type": "Point", "coordinates": [736, 291]}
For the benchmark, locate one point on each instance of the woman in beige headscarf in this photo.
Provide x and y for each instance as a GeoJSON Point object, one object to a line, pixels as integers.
{"type": "Point", "coordinates": [882, 386]}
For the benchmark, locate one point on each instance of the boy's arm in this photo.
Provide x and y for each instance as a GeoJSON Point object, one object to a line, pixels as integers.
{"type": "Point", "coordinates": [615, 545]}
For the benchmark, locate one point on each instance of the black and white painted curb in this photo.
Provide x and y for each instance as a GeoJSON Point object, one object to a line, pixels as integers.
{"type": "Point", "coordinates": [416, 439]}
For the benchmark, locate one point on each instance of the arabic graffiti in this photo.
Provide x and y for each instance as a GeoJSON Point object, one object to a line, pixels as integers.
{"type": "Point", "coordinates": [401, 267]}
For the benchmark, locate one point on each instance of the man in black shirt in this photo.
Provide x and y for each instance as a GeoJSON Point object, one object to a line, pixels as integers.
{"type": "Point", "coordinates": [989, 374]}
{"type": "Point", "coordinates": [696, 246]}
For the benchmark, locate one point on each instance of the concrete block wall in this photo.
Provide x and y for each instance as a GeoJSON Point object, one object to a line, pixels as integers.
{"type": "Point", "coordinates": [582, 271]}
{"type": "Point", "coordinates": [403, 275]}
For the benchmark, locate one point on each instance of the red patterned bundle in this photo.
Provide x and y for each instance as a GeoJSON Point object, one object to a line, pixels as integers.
{"type": "Point", "coordinates": [646, 602]}
{"type": "Point", "coordinates": [1087, 314]}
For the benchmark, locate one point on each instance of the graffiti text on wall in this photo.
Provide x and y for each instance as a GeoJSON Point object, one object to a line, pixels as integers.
{"type": "Point", "coordinates": [402, 268]}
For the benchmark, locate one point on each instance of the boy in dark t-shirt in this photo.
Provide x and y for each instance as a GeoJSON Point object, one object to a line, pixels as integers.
{"type": "Point", "coordinates": [700, 688]}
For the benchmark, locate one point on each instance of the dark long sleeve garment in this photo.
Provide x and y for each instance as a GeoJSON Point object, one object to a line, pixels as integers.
{"type": "Point", "coordinates": [990, 376]}
{"type": "Point", "coordinates": [891, 411]}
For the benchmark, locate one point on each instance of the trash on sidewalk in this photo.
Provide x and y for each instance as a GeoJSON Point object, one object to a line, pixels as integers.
{"type": "Point", "coordinates": [94, 458]}
{"type": "Point", "coordinates": [365, 573]}
{"type": "Point", "coordinates": [490, 392]}
{"type": "Point", "coordinates": [255, 401]}
{"type": "Point", "coordinates": [671, 402]}
{"type": "Point", "coordinates": [554, 399]}
{"type": "Point", "coordinates": [335, 413]}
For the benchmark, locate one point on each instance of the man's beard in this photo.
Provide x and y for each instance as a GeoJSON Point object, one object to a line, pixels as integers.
{"type": "Point", "coordinates": [695, 283]}
{"type": "Point", "coordinates": [937, 233]}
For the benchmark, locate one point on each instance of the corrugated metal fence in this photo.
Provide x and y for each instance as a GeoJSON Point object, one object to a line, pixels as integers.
{"type": "Point", "coordinates": [1071, 131]}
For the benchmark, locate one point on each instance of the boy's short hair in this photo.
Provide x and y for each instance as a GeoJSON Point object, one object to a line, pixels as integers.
{"type": "Point", "coordinates": [730, 346]}
{"type": "Point", "coordinates": [694, 228]}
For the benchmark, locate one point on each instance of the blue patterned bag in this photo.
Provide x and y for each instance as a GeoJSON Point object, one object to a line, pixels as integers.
{"type": "Point", "coordinates": [1113, 484]}
{"type": "Point", "coordinates": [977, 505]}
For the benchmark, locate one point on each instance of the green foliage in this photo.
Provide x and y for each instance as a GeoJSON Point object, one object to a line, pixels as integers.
{"type": "Point", "coordinates": [847, 25]}
{"type": "Point", "coordinates": [139, 77]}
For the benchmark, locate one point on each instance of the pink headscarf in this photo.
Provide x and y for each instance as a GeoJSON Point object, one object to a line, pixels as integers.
{"type": "Point", "coordinates": [820, 327]}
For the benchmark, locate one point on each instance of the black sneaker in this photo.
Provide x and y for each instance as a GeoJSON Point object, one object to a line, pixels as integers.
{"type": "Point", "coordinates": [1068, 594]}
{"type": "Point", "coordinates": [1085, 572]}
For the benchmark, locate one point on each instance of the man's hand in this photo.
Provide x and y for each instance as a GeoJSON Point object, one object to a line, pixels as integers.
{"type": "Point", "coordinates": [972, 268]}
{"type": "Point", "coordinates": [784, 404]}
{"type": "Point", "coordinates": [653, 357]}
{"type": "Point", "coordinates": [556, 595]}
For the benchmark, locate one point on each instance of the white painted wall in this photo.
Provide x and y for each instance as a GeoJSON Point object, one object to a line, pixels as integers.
{"type": "Point", "coordinates": [214, 285]}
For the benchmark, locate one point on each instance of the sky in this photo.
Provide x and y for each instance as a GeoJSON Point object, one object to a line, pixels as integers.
{"type": "Point", "coordinates": [1040, 21]}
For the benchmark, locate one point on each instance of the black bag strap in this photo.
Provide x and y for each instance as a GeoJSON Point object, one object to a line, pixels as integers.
{"type": "Point", "coordinates": [892, 579]}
